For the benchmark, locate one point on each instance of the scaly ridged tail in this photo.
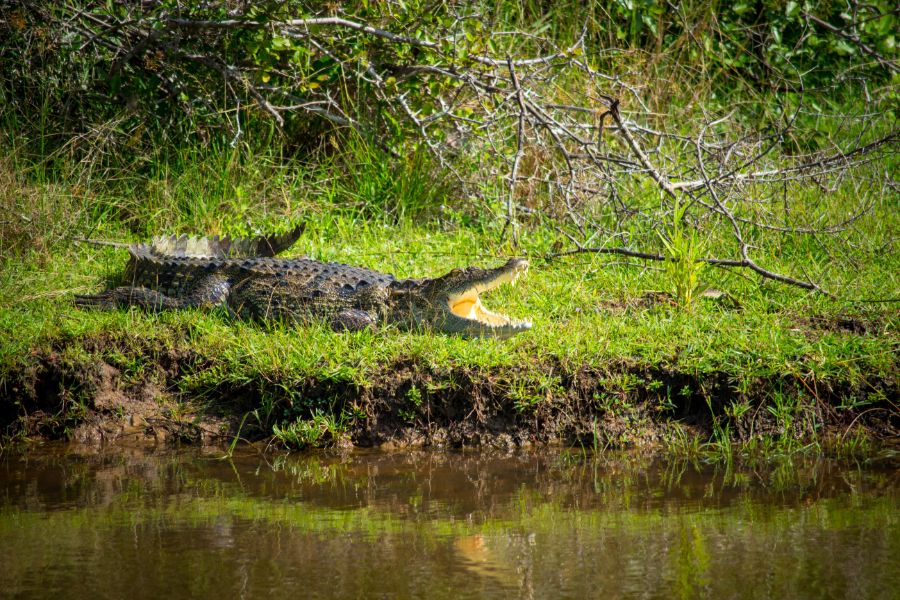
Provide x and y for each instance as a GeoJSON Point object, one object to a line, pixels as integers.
{"type": "Point", "coordinates": [226, 247]}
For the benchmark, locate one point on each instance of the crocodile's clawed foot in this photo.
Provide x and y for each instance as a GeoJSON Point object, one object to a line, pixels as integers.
{"type": "Point", "coordinates": [103, 301]}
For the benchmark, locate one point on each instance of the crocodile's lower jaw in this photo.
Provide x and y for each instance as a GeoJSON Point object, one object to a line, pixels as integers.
{"type": "Point", "coordinates": [468, 305]}
{"type": "Point", "coordinates": [474, 310]}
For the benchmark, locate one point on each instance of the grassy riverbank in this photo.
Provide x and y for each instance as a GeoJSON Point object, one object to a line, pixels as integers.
{"type": "Point", "coordinates": [730, 161]}
{"type": "Point", "coordinates": [612, 358]}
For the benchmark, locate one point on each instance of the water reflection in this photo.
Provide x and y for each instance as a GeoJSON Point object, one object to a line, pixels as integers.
{"type": "Point", "coordinates": [131, 523]}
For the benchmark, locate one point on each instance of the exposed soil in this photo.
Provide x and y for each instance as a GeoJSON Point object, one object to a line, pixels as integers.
{"type": "Point", "coordinates": [856, 325]}
{"type": "Point", "coordinates": [412, 404]}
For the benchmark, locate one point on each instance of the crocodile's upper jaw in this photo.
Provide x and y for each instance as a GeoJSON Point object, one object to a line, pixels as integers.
{"type": "Point", "coordinates": [478, 319]}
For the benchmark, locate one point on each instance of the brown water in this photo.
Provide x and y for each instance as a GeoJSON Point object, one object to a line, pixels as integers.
{"type": "Point", "coordinates": [133, 524]}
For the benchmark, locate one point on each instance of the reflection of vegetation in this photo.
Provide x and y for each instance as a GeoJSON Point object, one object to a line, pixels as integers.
{"type": "Point", "coordinates": [544, 518]}
{"type": "Point", "coordinates": [517, 522]}
{"type": "Point", "coordinates": [690, 557]}
{"type": "Point", "coordinates": [310, 470]}
{"type": "Point", "coordinates": [633, 483]}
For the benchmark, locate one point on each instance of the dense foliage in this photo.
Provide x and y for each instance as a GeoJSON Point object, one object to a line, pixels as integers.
{"type": "Point", "coordinates": [68, 66]}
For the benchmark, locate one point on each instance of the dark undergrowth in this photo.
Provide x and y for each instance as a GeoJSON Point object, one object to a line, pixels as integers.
{"type": "Point", "coordinates": [129, 389]}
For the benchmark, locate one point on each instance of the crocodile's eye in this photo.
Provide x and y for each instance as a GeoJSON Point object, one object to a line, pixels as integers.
{"type": "Point", "coordinates": [456, 272]}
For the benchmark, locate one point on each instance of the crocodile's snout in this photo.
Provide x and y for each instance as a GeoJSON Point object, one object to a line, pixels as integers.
{"type": "Point", "coordinates": [469, 315]}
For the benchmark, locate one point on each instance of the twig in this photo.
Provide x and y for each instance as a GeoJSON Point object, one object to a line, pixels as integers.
{"type": "Point", "coordinates": [520, 143]}
{"type": "Point", "coordinates": [809, 167]}
{"type": "Point", "coordinates": [341, 22]}
{"type": "Point", "coordinates": [81, 240]}
{"type": "Point", "coordinates": [636, 148]}
{"type": "Point", "coordinates": [746, 261]}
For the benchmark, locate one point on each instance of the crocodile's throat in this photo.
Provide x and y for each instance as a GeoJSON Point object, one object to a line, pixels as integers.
{"type": "Point", "coordinates": [467, 304]}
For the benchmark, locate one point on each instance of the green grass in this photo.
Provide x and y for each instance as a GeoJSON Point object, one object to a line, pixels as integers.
{"type": "Point", "coordinates": [583, 307]}
{"type": "Point", "coordinates": [578, 307]}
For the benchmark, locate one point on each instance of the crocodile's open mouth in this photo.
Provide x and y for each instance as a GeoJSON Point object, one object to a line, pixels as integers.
{"type": "Point", "coordinates": [468, 305]}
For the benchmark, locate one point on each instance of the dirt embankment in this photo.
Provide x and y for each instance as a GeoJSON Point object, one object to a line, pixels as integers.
{"type": "Point", "coordinates": [103, 396]}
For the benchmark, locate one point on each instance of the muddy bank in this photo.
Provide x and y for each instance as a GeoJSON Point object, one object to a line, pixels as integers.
{"type": "Point", "coordinates": [116, 391]}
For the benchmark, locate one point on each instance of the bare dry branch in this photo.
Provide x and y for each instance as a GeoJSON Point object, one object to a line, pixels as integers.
{"type": "Point", "coordinates": [520, 145]}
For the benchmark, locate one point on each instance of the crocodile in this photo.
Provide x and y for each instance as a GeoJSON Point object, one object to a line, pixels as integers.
{"type": "Point", "coordinates": [251, 282]}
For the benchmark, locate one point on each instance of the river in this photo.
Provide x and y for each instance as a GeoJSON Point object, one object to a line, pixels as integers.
{"type": "Point", "coordinates": [134, 523]}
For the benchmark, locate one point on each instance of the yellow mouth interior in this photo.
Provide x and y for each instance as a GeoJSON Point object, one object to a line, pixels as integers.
{"type": "Point", "coordinates": [474, 310]}
{"type": "Point", "coordinates": [468, 305]}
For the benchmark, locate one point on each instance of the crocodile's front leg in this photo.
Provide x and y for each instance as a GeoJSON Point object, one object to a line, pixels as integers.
{"type": "Point", "coordinates": [209, 291]}
{"type": "Point", "coordinates": [352, 319]}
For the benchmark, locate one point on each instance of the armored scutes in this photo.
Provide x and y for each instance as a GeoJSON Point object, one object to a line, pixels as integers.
{"type": "Point", "coordinates": [173, 273]}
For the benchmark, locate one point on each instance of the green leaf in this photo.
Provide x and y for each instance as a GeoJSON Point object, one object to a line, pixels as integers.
{"type": "Point", "coordinates": [280, 43]}
{"type": "Point", "coordinates": [776, 34]}
{"type": "Point", "coordinates": [843, 48]}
